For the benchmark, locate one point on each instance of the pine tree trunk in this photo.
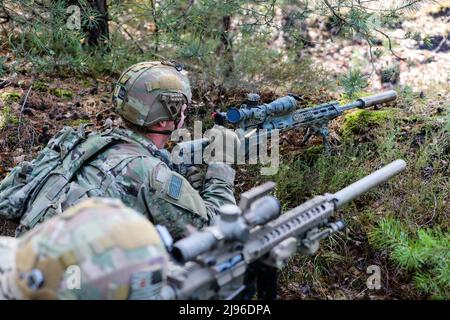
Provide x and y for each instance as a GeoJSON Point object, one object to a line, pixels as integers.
{"type": "Point", "coordinates": [226, 46]}
{"type": "Point", "coordinates": [155, 21]}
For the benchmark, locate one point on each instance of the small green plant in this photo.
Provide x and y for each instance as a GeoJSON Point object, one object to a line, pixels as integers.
{"type": "Point", "coordinates": [10, 97]}
{"type": "Point", "coordinates": [62, 93]}
{"type": "Point", "coordinates": [47, 43]}
{"type": "Point", "coordinates": [2, 66]}
{"type": "Point", "coordinates": [425, 253]}
{"type": "Point", "coordinates": [390, 74]}
{"type": "Point", "coordinates": [6, 117]}
{"type": "Point", "coordinates": [40, 86]}
{"type": "Point", "coordinates": [407, 94]}
{"type": "Point", "coordinates": [77, 122]}
{"type": "Point", "coordinates": [427, 41]}
{"type": "Point", "coordinates": [353, 82]}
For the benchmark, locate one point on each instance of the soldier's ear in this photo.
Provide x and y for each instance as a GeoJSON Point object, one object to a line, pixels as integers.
{"type": "Point", "coordinates": [163, 124]}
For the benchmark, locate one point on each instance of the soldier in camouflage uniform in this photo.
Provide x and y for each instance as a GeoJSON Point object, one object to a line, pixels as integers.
{"type": "Point", "coordinates": [99, 249]}
{"type": "Point", "coordinates": [151, 98]}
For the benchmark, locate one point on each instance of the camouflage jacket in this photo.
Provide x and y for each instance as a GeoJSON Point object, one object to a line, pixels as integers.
{"type": "Point", "coordinates": [136, 172]}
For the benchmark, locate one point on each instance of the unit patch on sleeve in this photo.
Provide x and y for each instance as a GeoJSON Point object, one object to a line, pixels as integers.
{"type": "Point", "coordinates": [144, 285]}
{"type": "Point", "coordinates": [175, 185]}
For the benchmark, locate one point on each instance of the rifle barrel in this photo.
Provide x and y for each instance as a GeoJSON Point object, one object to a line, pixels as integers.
{"type": "Point", "coordinates": [361, 186]}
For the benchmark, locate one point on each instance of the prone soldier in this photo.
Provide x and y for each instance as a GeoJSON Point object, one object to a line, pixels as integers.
{"type": "Point", "coordinates": [124, 163]}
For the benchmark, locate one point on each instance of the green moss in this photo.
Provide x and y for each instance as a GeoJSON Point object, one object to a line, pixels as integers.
{"type": "Point", "coordinates": [359, 120]}
{"type": "Point", "coordinates": [86, 82]}
{"type": "Point", "coordinates": [40, 86]}
{"type": "Point", "coordinates": [10, 97]}
{"type": "Point", "coordinates": [6, 117]}
{"type": "Point", "coordinates": [314, 151]}
{"type": "Point", "coordinates": [62, 93]}
{"type": "Point", "coordinates": [76, 123]}
{"type": "Point", "coordinates": [14, 120]}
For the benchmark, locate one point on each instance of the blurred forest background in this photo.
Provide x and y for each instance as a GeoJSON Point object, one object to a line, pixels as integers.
{"type": "Point", "coordinates": [59, 60]}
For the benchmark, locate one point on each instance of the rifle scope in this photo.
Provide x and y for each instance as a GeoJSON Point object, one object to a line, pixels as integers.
{"type": "Point", "coordinates": [232, 225]}
{"type": "Point", "coordinates": [279, 106]}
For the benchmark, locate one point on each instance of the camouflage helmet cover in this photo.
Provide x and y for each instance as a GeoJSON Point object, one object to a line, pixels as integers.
{"type": "Point", "coordinates": [149, 92]}
{"type": "Point", "coordinates": [99, 249]}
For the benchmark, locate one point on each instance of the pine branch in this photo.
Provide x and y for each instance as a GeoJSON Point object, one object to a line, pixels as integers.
{"type": "Point", "coordinates": [389, 44]}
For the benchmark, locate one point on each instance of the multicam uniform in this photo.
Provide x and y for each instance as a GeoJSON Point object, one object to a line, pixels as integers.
{"type": "Point", "coordinates": [99, 249]}
{"type": "Point", "coordinates": [134, 171]}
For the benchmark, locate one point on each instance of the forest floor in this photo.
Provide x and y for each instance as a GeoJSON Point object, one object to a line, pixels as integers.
{"type": "Point", "coordinates": [422, 79]}
{"type": "Point", "coordinates": [33, 107]}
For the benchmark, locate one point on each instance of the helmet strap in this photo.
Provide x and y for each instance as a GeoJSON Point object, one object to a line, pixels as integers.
{"type": "Point", "coordinates": [163, 132]}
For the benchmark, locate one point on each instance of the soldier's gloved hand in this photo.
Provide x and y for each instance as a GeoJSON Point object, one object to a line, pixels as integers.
{"type": "Point", "coordinates": [224, 146]}
{"type": "Point", "coordinates": [196, 177]}
{"type": "Point", "coordinates": [220, 171]}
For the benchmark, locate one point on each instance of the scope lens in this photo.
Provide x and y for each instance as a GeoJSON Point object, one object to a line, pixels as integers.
{"type": "Point", "coordinates": [177, 254]}
{"type": "Point", "coordinates": [233, 115]}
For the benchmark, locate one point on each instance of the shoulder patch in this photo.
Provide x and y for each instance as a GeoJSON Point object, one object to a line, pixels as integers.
{"type": "Point", "coordinates": [161, 172]}
{"type": "Point", "coordinates": [174, 189]}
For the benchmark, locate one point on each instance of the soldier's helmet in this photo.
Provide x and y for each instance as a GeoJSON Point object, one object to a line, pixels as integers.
{"type": "Point", "coordinates": [149, 92]}
{"type": "Point", "coordinates": [99, 249]}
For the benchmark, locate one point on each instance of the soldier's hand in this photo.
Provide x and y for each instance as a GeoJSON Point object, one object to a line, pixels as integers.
{"type": "Point", "coordinates": [196, 177]}
{"type": "Point", "coordinates": [225, 145]}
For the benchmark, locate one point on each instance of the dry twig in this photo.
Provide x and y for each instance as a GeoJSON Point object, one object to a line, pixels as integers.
{"type": "Point", "coordinates": [21, 111]}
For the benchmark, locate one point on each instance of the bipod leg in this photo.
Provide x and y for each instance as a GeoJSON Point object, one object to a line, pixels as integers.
{"type": "Point", "coordinates": [324, 132]}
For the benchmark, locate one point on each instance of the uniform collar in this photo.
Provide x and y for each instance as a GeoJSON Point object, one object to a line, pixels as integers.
{"type": "Point", "coordinates": [161, 154]}
{"type": "Point", "coordinates": [136, 137]}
